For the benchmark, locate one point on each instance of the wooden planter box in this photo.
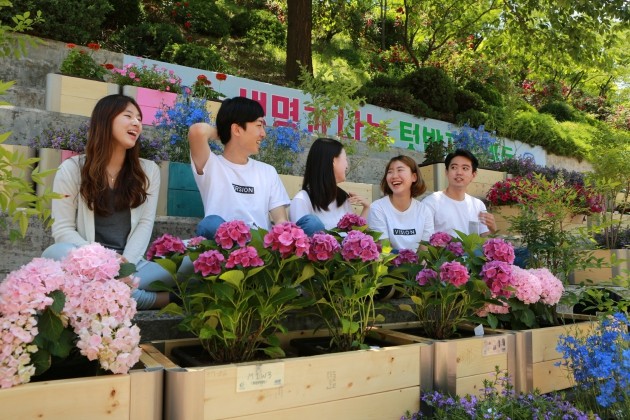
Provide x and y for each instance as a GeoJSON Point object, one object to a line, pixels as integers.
{"type": "Point", "coordinates": [213, 107]}
{"type": "Point", "coordinates": [460, 365]}
{"type": "Point", "coordinates": [434, 176]}
{"type": "Point", "coordinates": [536, 355]}
{"type": "Point", "coordinates": [381, 383]}
{"type": "Point", "coordinates": [50, 159]}
{"type": "Point", "coordinates": [605, 274]}
{"type": "Point", "coordinates": [182, 195]}
{"type": "Point", "coordinates": [149, 100]}
{"type": "Point", "coordinates": [73, 95]}
{"type": "Point", "coordinates": [501, 213]}
{"type": "Point", "coordinates": [136, 395]}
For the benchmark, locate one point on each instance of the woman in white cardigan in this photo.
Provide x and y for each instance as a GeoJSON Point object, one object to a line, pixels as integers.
{"type": "Point", "coordinates": [110, 196]}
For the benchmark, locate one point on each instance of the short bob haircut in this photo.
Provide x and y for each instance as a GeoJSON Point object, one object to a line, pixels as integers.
{"type": "Point", "coordinates": [237, 110]}
{"type": "Point", "coordinates": [463, 153]}
{"type": "Point", "coordinates": [319, 175]}
{"type": "Point", "coordinates": [417, 188]}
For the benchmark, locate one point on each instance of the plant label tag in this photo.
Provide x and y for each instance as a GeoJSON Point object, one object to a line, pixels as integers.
{"type": "Point", "coordinates": [494, 345]}
{"type": "Point", "coordinates": [479, 331]}
{"type": "Point", "coordinates": [259, 376]}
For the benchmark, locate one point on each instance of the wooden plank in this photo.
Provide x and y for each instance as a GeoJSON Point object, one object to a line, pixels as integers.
{"type": "Point", "coordinates": [548, 377]}
{"type": "Point", "coordinates": [382, 406]}
{"type": "Point", "coordinates": [146, 392]}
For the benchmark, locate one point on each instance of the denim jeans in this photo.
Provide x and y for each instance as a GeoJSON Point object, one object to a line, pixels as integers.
{"type": "Point", "coordinates": [310, 224]}
{"type": "Point", "coordinates": [209, 225]}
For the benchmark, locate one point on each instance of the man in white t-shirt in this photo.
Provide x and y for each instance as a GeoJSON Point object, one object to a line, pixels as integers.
{"type": "Point", "coordinates": [234, 186]}
{"type": "Point", "coordinates": [452, 208]}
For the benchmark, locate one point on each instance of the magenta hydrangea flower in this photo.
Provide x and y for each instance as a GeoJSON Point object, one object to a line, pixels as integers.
{"type": "Point", "coordinates": [350, 220]}
{"type": "Point", "coordinates": [209, 262]}
{"type": "Point", "coordinates": [440, 239]}
{"type": "Point", "coordinates": [454, 272]}
{"type": "Point", "coordinates": [498, 277]}
{"type": "Point", "coordinates": [288, 239]}
{"type": "Point", "coordinates": [165, 245]}
{"type": "Point", "coordinates": [196, 241]}
{"type": "Point", "coordinates": [491, 308]}
{"type": "Point", "coordinates": [498, 250]}
{"type": "Point", "coordinates": [552, 287]}
{"type": "Point", "coordinates": [245, 257]}
{"type": "Point", "coordinates": [456, 248]}
{"type": "Point", "coordinates": [358, 245]}
{"type": "Point", "coordinates": [93, 261]}
{"type": "Point", "coordinates": [526, 285]}
{"type": "Point", "coordinates": [323, 247]}
{"type": "Point", "coordinates": [425, 276]}
{"type": "Point", "coordinates": [405, 256]}
{"type": "Point", "coordinates": [235, 231]}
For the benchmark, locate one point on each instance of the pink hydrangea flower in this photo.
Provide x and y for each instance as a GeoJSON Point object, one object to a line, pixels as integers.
{"type": "Point", "coordinates": [209, 262]}
{"type": "Point", "coordinates": [232, 232]}
{"type": "Point", "coordinates": [323, 247]}
{"type": "Point", "coordinates": [526, 285]}
{"type": "Point", "coordinates": [456, 248]}
{"type": "Point", "coordinates": [497, 249]}
{"type": "Point", "coordinates": [552, 287]}
{"type": "Point", "coordinates": [491, 308]}
{"type": "Point", "coordinates": [358, 245]}
{"type": "Point", "coordinates": [165, 245]}
{"type": "Point", "coordinates": [288, 239]}
{"type": "Point", "coordinates": [454, 272]}
{"type": "Point", "coordinates": [425, 276]}
{"type": "Point", "coordinates": [196, 241]}
{"type": "Point", "coordinates": [245, 257]}
{"type": "Point", "coordinates": [351, 220]}
{"type": "Point", "coordinates": [405, 256]}
{"type": "Point", "coordinates": [93, 261]}
{"type": "Point", "coordinates": [440, 239]}
{"type": "Point", "coordinates": [498, 277]}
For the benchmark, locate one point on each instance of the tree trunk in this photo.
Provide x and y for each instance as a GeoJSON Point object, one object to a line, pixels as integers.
{"type": "Point", "coordinates": [299, 53]}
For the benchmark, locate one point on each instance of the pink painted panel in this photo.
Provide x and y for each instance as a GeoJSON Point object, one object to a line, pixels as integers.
{"type": "Point", "coordinates": [67, 154]}
{"type": "Point", "coordinates": [151, 100]}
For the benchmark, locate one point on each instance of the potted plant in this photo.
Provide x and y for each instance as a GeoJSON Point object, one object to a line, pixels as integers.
{"type": "Point", "coordinates": [71, 319]}
{"type": "Point", "coordinates": [454, 280]}
{"type": "Point", "coordinates": [80, 84]}
{"type": "Point", "coordinates": [202, 88]}
{"type": "Point", "coordinates": [151, 86]}
{"type": "Point", "coordinates": [245, 281]}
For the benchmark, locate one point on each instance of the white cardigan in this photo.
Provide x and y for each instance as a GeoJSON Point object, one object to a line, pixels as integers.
{"type": "Point", "coordinates": [74, 222]}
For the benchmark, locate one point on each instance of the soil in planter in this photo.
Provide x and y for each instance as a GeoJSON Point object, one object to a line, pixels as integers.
{"type": "Point", "coordinates": [77, 366]}
{"type": "Point", "coordinates": [195, 355]}
{"type": "Point", "coordinates": [313, 346]}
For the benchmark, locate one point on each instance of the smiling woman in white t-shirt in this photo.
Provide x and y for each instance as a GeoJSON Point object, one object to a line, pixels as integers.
{"type": "Point", "coordinates": [321, 203]}
{"type": "Point", "coordinates": [399, 217]}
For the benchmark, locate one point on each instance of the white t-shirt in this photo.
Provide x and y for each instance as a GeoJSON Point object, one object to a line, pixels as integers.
{"type": "Point", "coordinates": [301, 205]}
{"type": "Point", "coordinates": [404, 229]}
{"type": "Point", "coordinates": [450, 215]}
{"type": "Point", "coordinates": [240, 192]}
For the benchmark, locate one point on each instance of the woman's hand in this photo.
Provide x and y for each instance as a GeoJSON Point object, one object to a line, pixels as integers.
{"type": "Point", "coordinates": [358, 200]}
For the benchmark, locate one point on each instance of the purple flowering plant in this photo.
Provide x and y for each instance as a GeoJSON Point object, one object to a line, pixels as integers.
{"type": "Point", "coordinates": [453, 280]}
{"type": "Point", "coordinates": [244, 283]}
{"type": "Point", "coordinates": [349, 268]}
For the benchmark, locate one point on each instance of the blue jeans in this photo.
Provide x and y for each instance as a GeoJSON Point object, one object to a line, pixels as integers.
{"type": "Point", "coordinates": [310, 224]}
{"type": "Point", "coordinates": [209, 225]}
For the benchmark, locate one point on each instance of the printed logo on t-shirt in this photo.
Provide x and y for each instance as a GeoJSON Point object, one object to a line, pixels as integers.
{"type": "Point", "coordinates": [404, 232]}
{"type": "Point", "coordinates": [241, 189]}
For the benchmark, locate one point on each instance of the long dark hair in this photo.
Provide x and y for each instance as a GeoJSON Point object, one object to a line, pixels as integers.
{"type": "Point", "coordinates": [131, 183]}
{"type": "Point", "coordinates": [319, 176]}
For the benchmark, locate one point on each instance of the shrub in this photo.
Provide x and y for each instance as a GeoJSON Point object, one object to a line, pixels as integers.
{"type": "Point", "coordinates": [146, 39]}
{"type": "Point", "coordinates": [206, 18]}
{"type": "Point", "coordinates": [398, 99]}
{"type": "Point", "coordinates": [196, 56]}
{"type": "Point", "coordinates": [467, 100]}
{"type": "Point", "coordinates": [434, 87]}
{"type": "Point", "coordinates": [471, 117]}
{"type": "Point", "coordinates": [260, 27]}
{"type": "Point", "coordinates": [486, 91]}
{"type": "Point", "coordinates": [561, 111]}
{"type": "Point", "coordinates": [124, 13]}
{"type": "Point", "coordinates": [68, 19]}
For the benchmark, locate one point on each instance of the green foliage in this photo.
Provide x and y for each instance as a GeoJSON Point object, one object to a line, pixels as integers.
{"type": "Point", "coordinates": [124, 13]}
{"type": "Point", "coordinates": [146, 39]}
{"type": "Point", "coordinates": [561, 111]}
{"type": "Point", "coordinates": [260, 27]}
{"type": "Point", "coordinates": [207, 18]}
{"type": "Point", "coordinates": [68, 20]}
{"type": "Point", "coordinates": [471, 117]}
{"type": "Point", "coordinates": [197, 56]}
{"type": "Point", "coordinates": [467, 100]}
{"type": "Point", "coordinates": [80, 63]}
{"type": "Point", "coordinates": [486, 91]}
{"type": "Point", "coordinates": [434, 87]}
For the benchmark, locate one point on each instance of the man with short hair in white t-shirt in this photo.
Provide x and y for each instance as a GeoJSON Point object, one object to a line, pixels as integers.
{"type": "Point", "coordinates": [453, 209]}
{"type": "Point", "coordinates": [234, 186]}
